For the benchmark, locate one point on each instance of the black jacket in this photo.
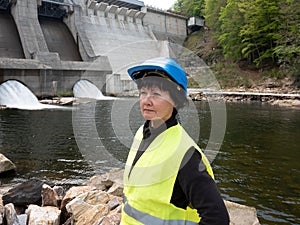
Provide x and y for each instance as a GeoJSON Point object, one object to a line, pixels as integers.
{"type": "Point", "coordinates": [193, 184]}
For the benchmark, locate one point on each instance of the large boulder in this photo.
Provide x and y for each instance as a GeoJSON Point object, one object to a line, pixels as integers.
{"type": "Point", "coordinates": [24, 194]}
{"type": "Point", "coordinates": [95, 207]}
{"type": "Point", "coordinates": [43, 215]}
{"type": "Point", "coordinates": [5, 164]}
{"type": "Point", "coordinates": [72, 193]}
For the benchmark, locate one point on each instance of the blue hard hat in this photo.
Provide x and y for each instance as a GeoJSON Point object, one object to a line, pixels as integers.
{"type": "Point", "coordinates": [167, 65]}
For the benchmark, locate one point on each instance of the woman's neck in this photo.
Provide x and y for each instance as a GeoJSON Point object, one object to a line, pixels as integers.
{"type": "Point", "coordinates": [156, 123]}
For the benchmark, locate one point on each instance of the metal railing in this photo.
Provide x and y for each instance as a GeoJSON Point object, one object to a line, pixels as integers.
{"type": "Point", "coordinates": [53, 9]}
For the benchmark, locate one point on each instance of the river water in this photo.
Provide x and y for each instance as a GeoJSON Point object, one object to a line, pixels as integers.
{"type": "Point", "coordinates": [257, 165]}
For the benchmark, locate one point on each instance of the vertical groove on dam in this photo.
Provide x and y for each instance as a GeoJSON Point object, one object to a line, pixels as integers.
{"type": "Point", "coordinates": [10, 43]}
{"type": "Point", "coordinates": [59, 39]}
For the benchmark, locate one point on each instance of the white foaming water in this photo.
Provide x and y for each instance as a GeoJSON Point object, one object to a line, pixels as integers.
{"type": "Point", "coordinates": [14, 94]}
{"type": "Point", "coordinates": [86, 89]}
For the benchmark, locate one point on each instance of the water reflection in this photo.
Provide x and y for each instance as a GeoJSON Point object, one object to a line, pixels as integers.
{"type": "Point", "coordinates": [260, 161]}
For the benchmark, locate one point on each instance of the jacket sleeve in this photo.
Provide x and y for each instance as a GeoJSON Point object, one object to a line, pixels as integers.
{"type": "Point", "coordinates": [201, 190]}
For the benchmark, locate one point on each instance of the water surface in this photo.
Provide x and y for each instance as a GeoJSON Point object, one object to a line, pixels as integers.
{"type": "Point", "coordinates": [258, 163]}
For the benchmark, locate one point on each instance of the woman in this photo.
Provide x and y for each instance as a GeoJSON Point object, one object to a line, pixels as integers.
{"type": "Point", "coordinates": [167, 178]}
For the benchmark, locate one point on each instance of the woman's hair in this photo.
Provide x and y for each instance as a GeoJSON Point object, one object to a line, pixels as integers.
{"type": "Point", "coordinates": [176, 92]}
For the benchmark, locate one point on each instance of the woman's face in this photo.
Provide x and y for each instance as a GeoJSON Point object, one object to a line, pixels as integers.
{"type": "Point", "coordinates": [156, 104]}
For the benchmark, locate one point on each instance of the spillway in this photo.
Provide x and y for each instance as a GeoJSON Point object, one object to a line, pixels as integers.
{"type": "Point", "coordinates": [59, 39]}
{"type": "Point", "coordinates": [10, 44]}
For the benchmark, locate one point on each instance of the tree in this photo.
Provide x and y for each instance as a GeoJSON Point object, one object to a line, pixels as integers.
{"type": "Point", "coordinates": [190, 7]}
{"type": "Point", "coordinates": [231, 21]}
{"type": "Point", "coordinates": [260, 31]}
{"type": "Point", "coordinates": [212, 13]}
{"type": "Point", "coordinates": [288, 44]}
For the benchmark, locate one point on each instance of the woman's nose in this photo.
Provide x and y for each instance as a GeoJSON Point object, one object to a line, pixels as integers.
{"type": "Point", "coordinates": [146, 99]}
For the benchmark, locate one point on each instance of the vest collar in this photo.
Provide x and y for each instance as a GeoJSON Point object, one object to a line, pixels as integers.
{"type": "Point", "coordinates": [150, 131]}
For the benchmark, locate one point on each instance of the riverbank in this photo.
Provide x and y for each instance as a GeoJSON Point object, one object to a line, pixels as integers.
{"type": "Point", "coordinates": [98, 201]}
{"type": "Point", "coordinates": [240, 95]}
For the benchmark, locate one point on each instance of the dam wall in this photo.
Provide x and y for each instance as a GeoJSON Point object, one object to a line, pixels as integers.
{"type": "Point", "coordinates": [166, 25]}
{"type": "Point", "coordinates": [90, 40]}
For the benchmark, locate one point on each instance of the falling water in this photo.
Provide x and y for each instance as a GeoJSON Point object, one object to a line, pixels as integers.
{"type": "Point", "coordinates": [86, 89]}
{"type": "Point", "coordinates": [14, 94]}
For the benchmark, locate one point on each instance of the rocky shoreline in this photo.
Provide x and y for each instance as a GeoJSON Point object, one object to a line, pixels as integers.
{"type": "Point", "coordinates": [274, 97]}
{"type": "Point", "coordinates": [98, 201]}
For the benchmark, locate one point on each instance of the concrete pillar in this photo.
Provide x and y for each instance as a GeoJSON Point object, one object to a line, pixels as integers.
{"type": "Point", "coordinates": [111, 11]}
{"type": "Point", "coordinates": [139, 17]}
{"type": "Point", "coordinates": [121, 13]}
{"type": "Point", "coordinates": [130, 15]}
{"type": "Point", "coordinates": [113, 84]}
{"type": "Point", "coordinates": [91, 7]}
{"type": "Point", "coordinates": [100, 9]}
{"type": "Point", "coordinates": [25, 14]}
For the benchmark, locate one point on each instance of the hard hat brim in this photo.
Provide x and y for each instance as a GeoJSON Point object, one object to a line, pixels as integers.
{"type": "Point", "coordinates": [168, 65]}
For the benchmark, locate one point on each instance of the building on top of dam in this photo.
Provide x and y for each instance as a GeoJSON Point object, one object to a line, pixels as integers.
{"type": "Point", "coordinates": [50, 44]}
{"type": "Point", "coordinates": [130, 4]}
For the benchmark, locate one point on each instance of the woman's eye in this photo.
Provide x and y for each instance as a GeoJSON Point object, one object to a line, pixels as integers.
{"type": "Point", "coordinates": [143, 93]}
{"type": "Point", "coordinates": [156, 94]}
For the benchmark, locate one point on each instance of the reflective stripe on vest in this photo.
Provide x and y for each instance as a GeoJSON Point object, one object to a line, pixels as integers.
{"type": "Point", "coordinates": [147, 219]}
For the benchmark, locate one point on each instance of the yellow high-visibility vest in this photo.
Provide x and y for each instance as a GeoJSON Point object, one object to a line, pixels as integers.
{"type": "Point", "coordinates": [148, 186]}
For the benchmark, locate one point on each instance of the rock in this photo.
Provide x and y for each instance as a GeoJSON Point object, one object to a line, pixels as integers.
{"type": "Point", "coordinates": [112, 219]}
{"type": "Point", "coordinates": [112, 180]}
{"type": "Point", "coordinates": [89, 208]}
{"type": "Point", "coordinates": [68, 222]}
{"type": "Point", "coordinates": [241, 215]}
{"type": "Point", "coordinates": [11, 215]}
{"type": "Point", "coordinates": [116, 189]}
{"type": "Point", "coordinates": [117, 210]}
{"type": "Point", "coordinates": [97, 182]}
{"type": "Point", "coordinates": [5, 164]}
{"type": "Point", "coordinates": [49, 196]}
{"type": "Point", "coordinates": [74, 192]}
{"type": "Point", "coordinates": [66, 101]}
{"type": "Point", "coordinates": [22, 219]}
{"type": "Point", "coordinates": [47, 215]}
{"type": "Point", "coordinates": [2, 214]}
{"type": "Point", "coordinates": [60, 191]}
{"type": "Point", "coordinates": [293, 103]}
{"type": "Point", "coordinates": [114, 203]}
{"type": "Point", "coordinates": [88, 205]}
{"type": "Point", "coordinates": [24, 194]}
{"type": "Point", "coordinates": [58, 101]}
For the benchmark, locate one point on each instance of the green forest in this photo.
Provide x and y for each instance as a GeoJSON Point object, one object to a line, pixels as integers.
{"type": "Point", "coordinates": [261, 36]}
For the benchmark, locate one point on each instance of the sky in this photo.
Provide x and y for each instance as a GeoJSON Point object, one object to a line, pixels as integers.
{"type": "Point", "coordinates": [161, 4]}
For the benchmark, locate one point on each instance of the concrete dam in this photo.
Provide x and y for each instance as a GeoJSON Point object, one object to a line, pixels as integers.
{"type": "Point", "coordinates": [49, 45]}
